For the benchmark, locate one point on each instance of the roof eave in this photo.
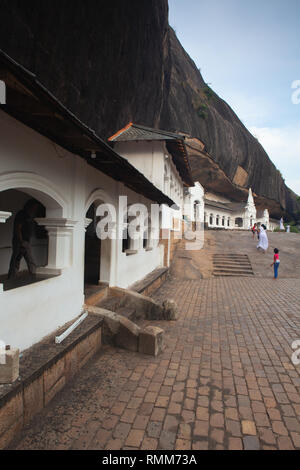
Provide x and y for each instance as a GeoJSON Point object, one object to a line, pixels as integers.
{"type": "Point", "coordinates": [106, 157]}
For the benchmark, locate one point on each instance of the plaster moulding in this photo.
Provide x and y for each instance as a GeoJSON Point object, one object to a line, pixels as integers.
{"type": "Point", "coordinates": [4, 216]}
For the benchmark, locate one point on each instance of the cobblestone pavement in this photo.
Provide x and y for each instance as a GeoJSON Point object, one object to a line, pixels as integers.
{"type": "Point", "coordinates": [224, 381]}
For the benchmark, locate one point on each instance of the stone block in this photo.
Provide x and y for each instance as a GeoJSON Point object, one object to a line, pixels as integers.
{"type": "Point", "coordinates": [110, 318]}
{"type": "Point", "coordinates": [128, 335]}
{"type": "Point", "coordinates": [11, 413]}
{"type": "Point", "coordinates": [87, 348]}
{"type": "Point", "coordinates": [9, 371]}
{"type": "Point", "coordinates": [151, 341]}
{"type": "Point", "coordinates": [170, 310]}
{"type": "Point", "coordinates": [10, 434]}
{"type": "Point", "coordinates": [59, 385]}
{"type": "Point", "coordinates": [83, 349]}
{"type": "Point", "coordinates": [54, 374]}
{"type": "Point", "coordinates": [33, 399]}
{"type": "Point", "coordinates": [143, 306]}
{"type": "Point", "coordinates": [71, 364]}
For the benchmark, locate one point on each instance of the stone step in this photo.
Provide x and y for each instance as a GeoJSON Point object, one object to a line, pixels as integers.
{"type": "Point", "coordinates": [111, 303]}
{"type": "Point", "coordinates": [126, 312]}
{"type": "Point", "coordinates": [244, 263]}
{"type": "Point", "coordinates": [96, 294]}
{"type": "Point", "coordinates": [235, 261]}
{"type": "Point", "coordinates": [231, 263]}
{"type": "Point", "coordinates": [230, 254]}
{"type": "Point", "coordinates": [230, 257]}
{"type": "Point", "coordinates": [240, 255]}
{"type": "Point", "coordinates": [234, 271]}
{"type": "Point", "coordinates": [232, 266]}
{"type": "Point", "coordinates": [231, 275]}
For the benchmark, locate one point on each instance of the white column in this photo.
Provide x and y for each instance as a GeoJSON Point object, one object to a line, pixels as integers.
{"type": "Point", "coordinates": [87, 222]}
{"type": "Point", "coordinates": [60, 233]}
{"type": "Point", "coordinates": [4, 216]}
{"type": "Point", "coordinates": [113, 255]}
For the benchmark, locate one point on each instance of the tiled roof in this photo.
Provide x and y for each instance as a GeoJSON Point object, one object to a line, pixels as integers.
{"type": "Point", "coordinates": [136, 132]}
{"type": "Point", "coordinates": [174, 143]}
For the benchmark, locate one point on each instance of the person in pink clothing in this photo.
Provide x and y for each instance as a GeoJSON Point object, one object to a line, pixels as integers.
{"type": "Point", "coordinates": [254, 230]}
{"type": "Point", "coordinates": [276, 263]}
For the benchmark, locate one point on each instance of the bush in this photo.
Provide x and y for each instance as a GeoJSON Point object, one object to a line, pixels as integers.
{"type": "Point", "coordinates": [208, 92]}
{"type": "Point", "coordinates": [202, 110]}
{"type": "Point", "coordinates": [293, 229]}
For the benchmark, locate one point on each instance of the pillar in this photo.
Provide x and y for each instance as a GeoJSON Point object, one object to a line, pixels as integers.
{"type": "Point", "coordinates": [60, 233]}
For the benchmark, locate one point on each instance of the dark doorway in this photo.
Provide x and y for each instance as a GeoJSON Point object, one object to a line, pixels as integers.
{"type": "Point", "coordinates": [92, 250]}
{"type": "Point", "coordinates": [239, 222]}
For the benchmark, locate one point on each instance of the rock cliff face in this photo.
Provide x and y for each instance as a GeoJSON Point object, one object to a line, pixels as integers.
{"type": "Point", "coordinates": [115, 62]}
{"type": "Point", "coordinates": [192, 107]}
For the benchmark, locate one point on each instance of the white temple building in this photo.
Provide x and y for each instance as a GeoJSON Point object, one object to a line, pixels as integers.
{"type": "Point", "coordinates": [47, 154]}
{"type": "Point", "coordinates": [161, 156]}
{"type": "Point", "coordinates": [222, 213]}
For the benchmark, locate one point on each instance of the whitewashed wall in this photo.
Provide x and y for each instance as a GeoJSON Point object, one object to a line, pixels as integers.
{"type": "Point", "coordinates": [155, 162]}
{"type": "Point", "coordinates": [195, 195]}
{"type": "Point", "coordinates": [218, 212]}
{"type": "Point", "coordinates": [67, 186]}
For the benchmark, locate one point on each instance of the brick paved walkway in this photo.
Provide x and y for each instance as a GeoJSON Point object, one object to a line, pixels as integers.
{"type": "Point", "coordinates": [224, 381]}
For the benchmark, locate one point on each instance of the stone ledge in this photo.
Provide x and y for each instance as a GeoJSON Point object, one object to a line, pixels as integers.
{"type": "Point", "coordinates": [131, 252]}
{"type": "Point", "coordinates": [44, 370]}
{"type": "Point", "coordinates": [127, 335]}
{"type": "Point", "coordinates": [151, 282]}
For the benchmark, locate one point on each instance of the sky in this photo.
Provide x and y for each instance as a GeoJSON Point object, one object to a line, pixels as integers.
{"type": "Point", "coordinates": [249, 53]}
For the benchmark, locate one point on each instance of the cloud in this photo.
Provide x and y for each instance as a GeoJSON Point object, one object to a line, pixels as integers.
{"type": "Point", "coordinates": [283, 147]}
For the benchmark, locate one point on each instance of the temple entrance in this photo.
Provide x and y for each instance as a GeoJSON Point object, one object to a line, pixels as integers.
{"type": "Point", "coordinates": [97, 258]}
{"type": "Point", "coordinates": [239, 222]}
{"type": "Point", "coordinates": [92, 250]}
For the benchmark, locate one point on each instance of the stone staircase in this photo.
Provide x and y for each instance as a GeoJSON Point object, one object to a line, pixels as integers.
{"type": "Point", "coordinates": [113, 304]}
{"type": "Point", "coordinates": [231, 265]}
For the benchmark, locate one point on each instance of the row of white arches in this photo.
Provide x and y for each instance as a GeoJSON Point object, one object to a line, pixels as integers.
{"type": "Point", "coordinates": [217, 220]}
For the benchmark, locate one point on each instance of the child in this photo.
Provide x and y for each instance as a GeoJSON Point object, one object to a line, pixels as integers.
{"type": "Point", "coordinates": [276, 263]}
